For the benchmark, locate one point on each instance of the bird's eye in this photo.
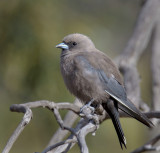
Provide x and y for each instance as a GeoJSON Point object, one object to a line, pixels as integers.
{"type": "Point", "coordinates": [74, 43]}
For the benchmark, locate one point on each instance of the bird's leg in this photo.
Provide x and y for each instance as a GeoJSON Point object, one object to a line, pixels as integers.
{"type": "Point", "coordinates": [87, 108]}
{"type": "Point", "coordinates": [90, 102]}
{"type": "Point", "coordinates": [88, 112]}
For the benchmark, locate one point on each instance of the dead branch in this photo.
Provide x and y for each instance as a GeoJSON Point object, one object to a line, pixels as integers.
{"type": "Point", "coordinates": [68, 141]}
{"type": "Point", "coordinates": [155, 67]}
{"type": "Point", "coordinates": [136, 45]}
{"type": "Point", "coordinates": [60, 134]}
{"type": "Point", "coordinates": [26, 119]}
{"type": "Point", "coordinates": [149, 146]}
{"type": "Point", "coordinates": [26, 109]}
{"type": "Point", "coordinates": [85, 126]}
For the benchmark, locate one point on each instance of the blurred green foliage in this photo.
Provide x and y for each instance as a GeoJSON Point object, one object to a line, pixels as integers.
{"type": "Point", "coordinates": [29, 64]}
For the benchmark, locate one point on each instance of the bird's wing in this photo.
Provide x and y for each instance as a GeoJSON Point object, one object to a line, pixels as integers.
{"type": "Point", "coordinates": [100, 61]}
{"type": "Point", "coordinates": [117, 92]}
{"type": "Point", "coordinates": [112, 87]}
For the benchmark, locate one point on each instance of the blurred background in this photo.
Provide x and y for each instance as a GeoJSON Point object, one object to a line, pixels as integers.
{"type": "Point", "coordinates": [29, 65]}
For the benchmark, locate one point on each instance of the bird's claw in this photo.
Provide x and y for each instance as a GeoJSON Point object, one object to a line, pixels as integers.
{"type": "Point", "coordinates": [87, 109]}
{"type": "Point", "coordinates": [88, 112]}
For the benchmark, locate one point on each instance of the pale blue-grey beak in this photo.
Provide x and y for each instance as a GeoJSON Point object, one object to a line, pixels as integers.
{"type": "Point", "coordinates": [63, 46]}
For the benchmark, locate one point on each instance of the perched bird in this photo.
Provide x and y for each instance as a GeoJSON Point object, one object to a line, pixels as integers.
{"type": "Point", "coordinates": [89, 74]}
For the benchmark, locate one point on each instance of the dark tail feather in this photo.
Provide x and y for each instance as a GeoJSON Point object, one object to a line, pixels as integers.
{"type": "Point", "coordinates": [117, 126]}
{"type": "Point", "coordinates": [128, 107]}
{"type": "Point", "coordinates": [135, 113]}
{"type": "Point", "coordinates": [112, 110]}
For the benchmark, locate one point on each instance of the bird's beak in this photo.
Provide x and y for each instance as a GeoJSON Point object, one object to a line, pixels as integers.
{"type": "Point", "coordinates": [63, 46]}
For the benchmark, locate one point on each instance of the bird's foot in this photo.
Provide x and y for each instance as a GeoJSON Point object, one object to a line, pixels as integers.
{"type": "Point", "coordinates": [87, 109]}
{"type": "Point", "coordinates": [88, 112]}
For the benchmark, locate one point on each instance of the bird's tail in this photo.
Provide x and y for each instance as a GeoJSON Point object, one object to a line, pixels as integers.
{"type": "Point", "coordinates": [128, 107]}
{"type": "Point", "coordinates": [112, 109]}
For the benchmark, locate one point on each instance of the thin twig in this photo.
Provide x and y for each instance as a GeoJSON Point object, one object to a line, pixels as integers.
{"type": "Point", "coordinates": [82, 123]}
{"type": "Point", "coordinates": [59, 144]}
{"type": "Point", "coordinates": [69, 120]}
{"type": "Point", "coordinates": [149, 146]}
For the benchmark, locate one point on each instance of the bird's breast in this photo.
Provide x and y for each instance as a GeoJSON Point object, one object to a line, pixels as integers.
{"type": "Point", "coordinates": [82, 82]}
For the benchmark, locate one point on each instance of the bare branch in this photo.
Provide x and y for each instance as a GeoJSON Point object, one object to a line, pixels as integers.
{"type": "Point", "coordinates": [141, 34]}
{"type": "Point", "coordinates": [149, 146]}
{"type": "Point", "coordinates": [135, 47]}
{"type": "Point", "coordinates": [26, 119]}
{"type": "Point", "coordinates": [60, 134]}
{"type": "Point", "coordinates": [25, 108]}
{"type": "Point", "coordinates": [45, 103]}
{"type": "Point", "coordinates": [82, 123]}
{"type": "Point", "coordinates": [155, 66]}
{"type": "Point", "coordinates": [151, 114]}
{"type": "Point", "coordinates": [83, 128]}
{"type": "Point", "coordinates": [59, 144]}
{"type": "Point", "coordinates": [90, 127]}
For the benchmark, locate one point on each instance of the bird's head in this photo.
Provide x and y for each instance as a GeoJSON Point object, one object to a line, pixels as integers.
{"type": "Point", "coordinates": [76, 42]}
